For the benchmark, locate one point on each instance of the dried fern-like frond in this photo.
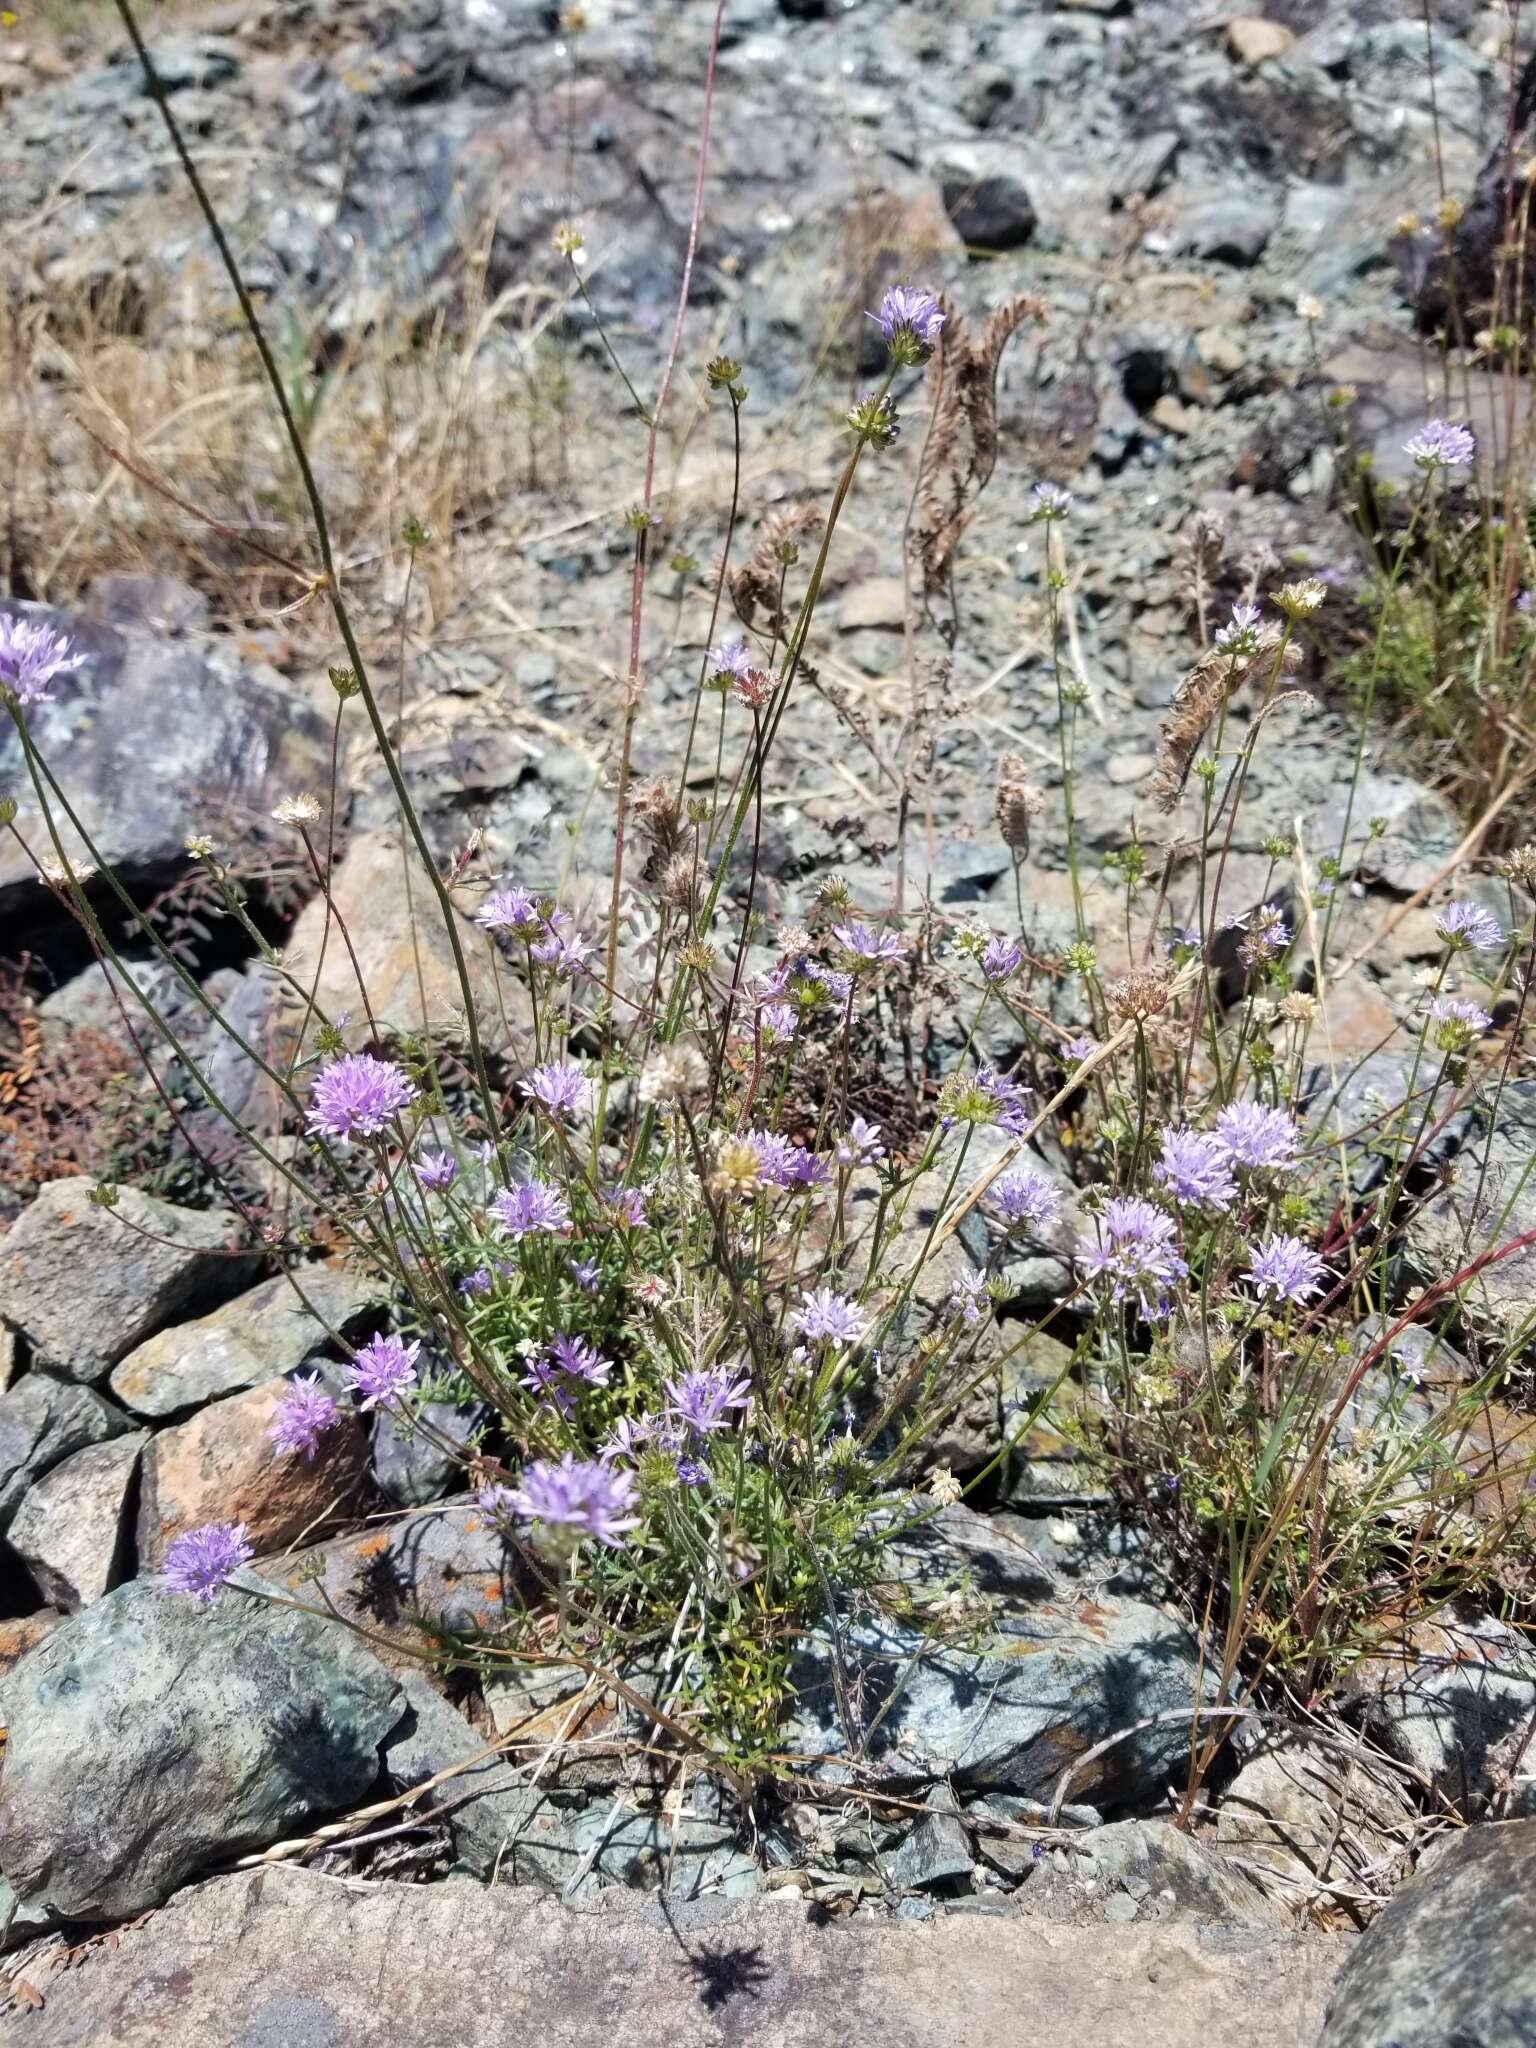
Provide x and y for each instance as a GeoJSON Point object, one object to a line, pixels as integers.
{"type": "Point", "coordinates": [960, 453]}
{"type": "Point", "coordinates": [755, 586]}
{"type": "Point", "coordinates": [1211, 683]}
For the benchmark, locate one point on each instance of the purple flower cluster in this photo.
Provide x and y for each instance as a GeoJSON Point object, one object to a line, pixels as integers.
{"type": "Point", "coordinates": [562, 1087]}
{"type": "Point", "coordinates": [510, 910]}
{"type": "Point", "coordinates": [1254, 1136]}
{"type": "Point", "coordinates": [777, 1022]}
{"type": "Point", "coordinates": [1441, 444]}
{"type": "Point", "coordinates": [31, 656]}
{"type": "Point", "coordinates": [1136, 1253]}
{"type": "Point", "coordinates": [1266, 939]}
{"type": "Point", "coordinates": [1049, 501]}
{"type": "Point", "coordinates": [1240, 635]}
{"type": "Point", "coordinates": [303, 1415]}
{"type": "Point", "coordinates": [357, 1096]}
{"type": "Point", "coordinates": [860, 1145]}
{"type": "Point", "coordinates": [1196, 1168]}
{"type": "Point", "coordinates": [382, 1369]}
{"type": "Point", "coordinates": [561, 949]}
{"type": "Point", "coordinates": [785, 1164]}
{"type": "Point", "coordinates": [592, 1496]}
{"type": "Point", "coordinates": [968, 1297]}
{"type": "Point", "coordinates": [910, 320]}
{"type": "Point", "coordinates": [527, 1207]}
{"type": "Point", "coordinates": [1468, 924]}
{"type": "Point", "coordinates": [436, 1171]}
{"type": "Point", "coordinates": [1001, 958]}
{"type": "Point", "coordinates": [1457, 1020]}
{"type": "Point", "coordinates": [1285, 1267]}
{"type": "Point", "coordinates": [732, 658]}
{"type": "Point", "coordinates": [1025, 1201]}
{"type": "Point", "coordinates": [826, 1317]}
{"type": "Point", "coordinates": [703, 1400]}
{"type": "Point", "coordinates": [627, 1206]}
{"type": "Point", "coordinates": [1009, 1102]}
{"type": "Point", "coordinates": [866, 945]}
{"type": "Point", "coordinates": [201, 1560]}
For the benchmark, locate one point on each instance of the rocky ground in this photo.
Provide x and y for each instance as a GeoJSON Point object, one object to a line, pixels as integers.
{"type": "Point", "coordinates": [1168, 184]}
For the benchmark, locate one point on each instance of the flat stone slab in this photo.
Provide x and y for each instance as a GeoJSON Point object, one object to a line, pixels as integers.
{"type": "Point", "coordinates": [284, 1957]}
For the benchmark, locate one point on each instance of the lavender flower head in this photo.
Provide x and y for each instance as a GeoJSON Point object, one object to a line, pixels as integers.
{"type": "Point", "coordinates": [1267, 937]}
{"type": "Point", "coordinates": [382, 1369]}
{"type": "Point", "coordinates": [1456, 1021]}
{"type": "Point", "coordinates": [1441, 444]}
{"type": "Point", "coordinates": [968, 1297]}
{"type": "Point", "coordinates": [866, 945]}
{"type": "Point", "coordinates": [202, 1560]}
{"type": "Point", "coordinates": [1285, 1267]}
{"type": "Point", "coordinates": [31, 656]}
{"type": "Point", "coordinates": [1196, 1168]}
{"type": "Point", "coordinates": [1025, 1201]}
{"type": "Point", "coordinates": [1080, 1048]}
{"type": "Point", "coordinates": [1135, 1253]}
{"type": "Point", "coordinates": [1049, 501]}
{"type": "Point", "coordinates": [703, 1400]}
{"type": "Point", "coordinates": [509, 910]}
{"type": "Point", "coordinates": [777, 1022]}
{"type": "Point", "coordinates": [1240, 635]}
{"type": "Point", "coordinates": [826, 1317]}
{"type": "Point", "coordinates": [303, 1415]}
{"type": "Point", "coordinates": [527, 1207]}
{"type": "Point", "coordinates": [910, 320]}
{"type": "Point", "coordinates": [1000, 958]}
{"type": "Point", "coordinates": [1252, 1135]}
{"type": "Point", "coordinates": [562, 1087]}
{"type": "Point", "coordinates": [627, 1206]}
{"type": "Point", "coordinates": [581, 1359]}
{"type": "Point", "coordinates": [731, 658]}
{"type": "Point", "coordinates": [592, 1496]}
{"type": "Point", "coordinates": [477, 1282]}
{"type": "Point", "coordinates": [1468, 924]}
{"type": "Point", "coordinates": [436, 1171]}
{"type": "Point", "coordinates": [860, 1145]}
{"type": "Point", "coordinates": [357, 1096]}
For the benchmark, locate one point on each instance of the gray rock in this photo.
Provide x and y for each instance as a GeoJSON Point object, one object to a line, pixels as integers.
{"type": "Point", "coordinates": [1300, 1817]}
{"type": "Point", "coordinates": [1451, 1961]}
{"type": "Point", "coordinates": [432, 1736]}
{"type": "Point", "coordinates": [577, 1841]}
{"type": "Point", "coordinates": [159, 736]}
{"type": "Point", "coordinates": [1456, 1699]}
{"type": "Point", "coordinates": [69, 1529]}
{"type": "Point", "coordinates": [250, 1339]}
{"type": "Point", "coordinates": [41, 1421]}
{"type": "Point", "coordinates": [936, 1852]}
{"type": "Point", "coordinates": [153, 1732]}
{"type": "Point", "coordinates": [1048, 1680]}
{"type": "Point", "coordinates": [990, 213]}
{"type": "Point", "coordinates": [84, 1285]}
{"type": "Point", "coordinates": [1051, 1420]}
{"type": "Point", "coordinates": [285, 1958]}
{"type": "Point", "coordinates": [441, 1567]}
{"type": "Point", "coordinates": [1176, 1875]}
{"type": "Point", "coordinates": [1481, 1207]}
{"type": "Point", "coordinates": [409, 1466]}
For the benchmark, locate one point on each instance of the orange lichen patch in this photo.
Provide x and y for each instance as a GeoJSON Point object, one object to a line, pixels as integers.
{"type": "Point", "coordinates": [372, 1546]}
{"type": "Point", "coordinates": [492, 1591]}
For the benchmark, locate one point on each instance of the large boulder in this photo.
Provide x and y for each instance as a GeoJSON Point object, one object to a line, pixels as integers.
{"type": "Point", "coordinates": [1011, 1694]}
{"type": "Point", "coordinates": [246, 1341]}
{"type": "Point", "coordinates": [154, 738]}
{"type": "Point", "coordinates": [84, 1284]}
{"type": "Point", "coordinates": [1451, 1961]}
{"type": "Point", "coordinates": [272, 1959]}
{"type": "Point", "coordinates": [153, 1733]}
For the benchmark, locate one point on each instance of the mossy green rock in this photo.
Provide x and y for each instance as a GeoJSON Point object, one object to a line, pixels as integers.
{"type": "Point", "coordinates": [153, 1734]}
